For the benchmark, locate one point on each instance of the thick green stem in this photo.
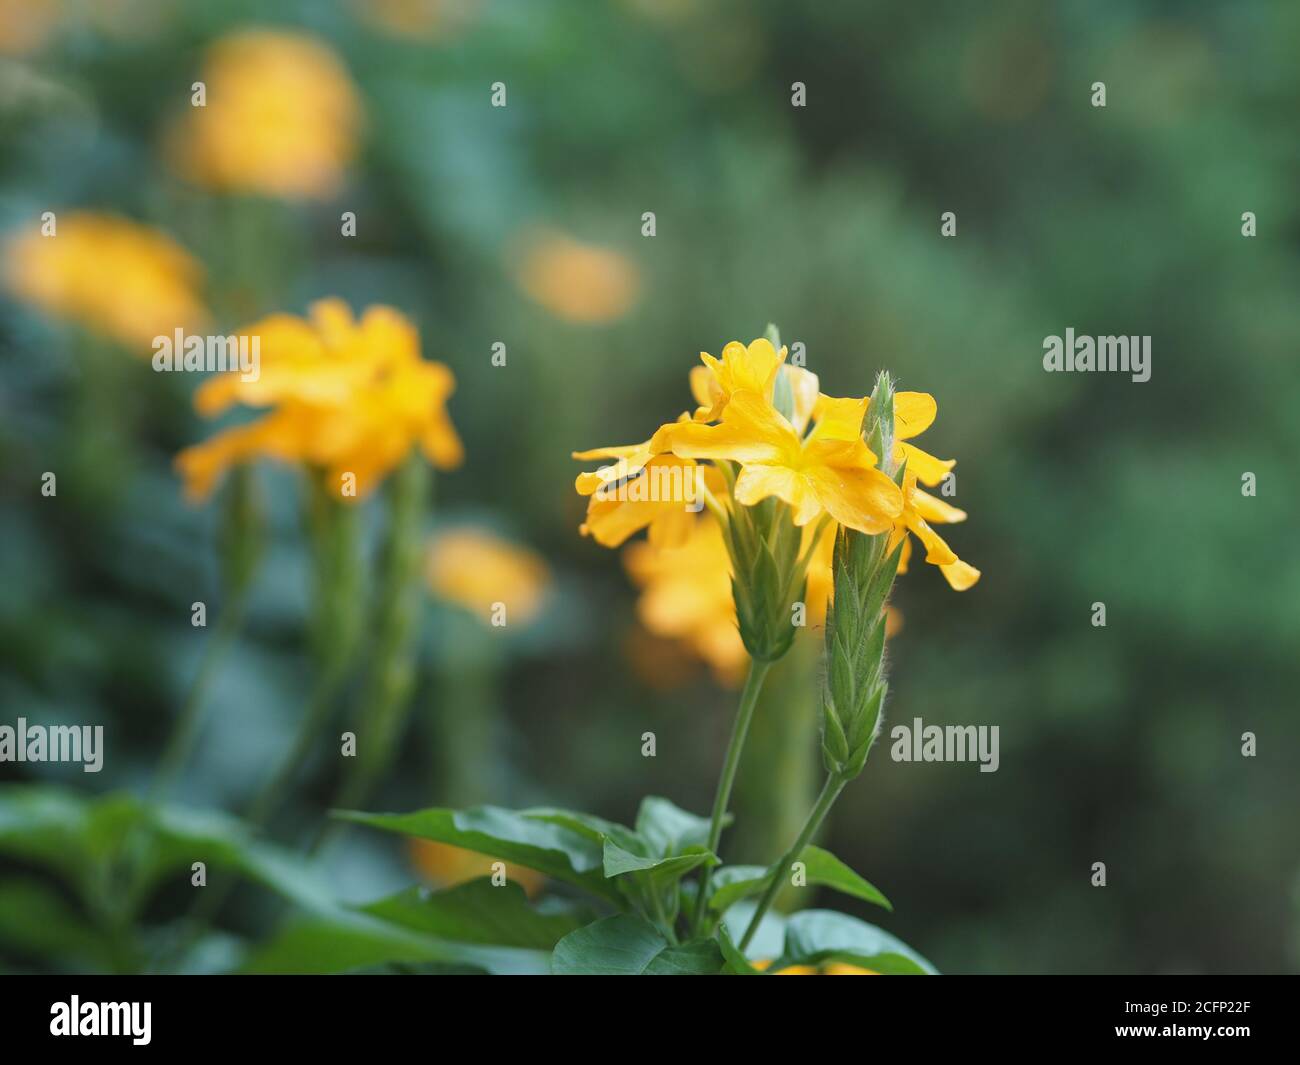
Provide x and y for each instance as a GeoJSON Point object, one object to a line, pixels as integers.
{"type": "Point", "coordinates": [186, 731]}
{"type": "Point", "coordinates": [333, 530]}
{"type": "Point", "coordinates": [387, 697]}
{"type": "Point", "coordinates": [830, 792]}
{"type": "Point", "coordinates": [744, 715]}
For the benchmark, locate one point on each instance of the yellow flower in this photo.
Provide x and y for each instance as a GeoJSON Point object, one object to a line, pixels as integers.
{"type": "Point", "coordinates": [834, 968]}
{"type": "Point", "coordinates": [111, 275]}
{"type": "Point", "coordinates": [914, 412]}
{"type": "Point", "coordinates": [919, 510]}
{"type": "Point", "coordinates": [25, 25]}
{"type": "Point", "coordinates": [575, 281]}
{"type": "Point", "coordinates": [750, 367]}
{"type": "Point", "coordinates": [686, 595]}
{"type": "Point", "coordinates": [281, 118]}
{"type": "Point", "coordinates": [347, 397]}
{"type": "Point", "coordinates": [444, 866]}
{"type": "Point", "coordinates": [643, 488]}
{"type": "Point", "coordinates": [829, 471]}
{"type": "Point", "coordinates": [478, 569]}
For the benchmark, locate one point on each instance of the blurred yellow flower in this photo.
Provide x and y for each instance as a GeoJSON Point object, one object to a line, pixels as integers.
{"type": "Point", "coordinates": [281, 118]}
{"type": "Point", "coordinates": [686, 595]}
{"type": "Point", "coordinates": [478, 569]}
{"type": "Point", "coordinates": [429, 20]}
{"type": "Point", "coordinates": [25, 25]}
{"type": "Point", "coordinates": [349, 398]}
{"type": "Point", "coordinates": [444, 866]}
{"type": "Point", "coordinates": [575, 281]}
{"type": "Point", "coordinates": [113, 276]}
{"type": "Point", "coordinates": [833, 968]}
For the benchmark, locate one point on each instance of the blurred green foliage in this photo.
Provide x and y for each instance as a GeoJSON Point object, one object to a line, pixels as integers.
{"type": "Point", "coordinates": [1119, 744]}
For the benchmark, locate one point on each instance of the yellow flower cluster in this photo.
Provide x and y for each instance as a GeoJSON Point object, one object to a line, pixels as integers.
{"type": "Point", "coordinates": [280, 118]}
{"type": "Point", "coordinates": [345, 397]}
{"type": "Point", "coordinates": [767, 432]}
{"type": "Point", "coordinates": [113, 276]}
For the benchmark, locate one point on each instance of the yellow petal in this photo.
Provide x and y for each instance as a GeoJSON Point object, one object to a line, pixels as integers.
{"type": "Point", "coordinates": [758, 482]}
{"type": "Point", "coordinates": [707, 392]}
{"type": "Point", "coordinates": [804, 386]}
{"type": "Point", "coordinates": [839, 419]}
{"type": "Point", "coordinates": [935, 510]}
{"type": "Point", "coordinates": [928, 469]}
{"type": "Point", "coordinates": [937, 552]}
{"type": "Point", "coordinates": [862, 499]}
{"type": "Point", "coordinates": [751, 430]}
{"type": "Point", "coordinates": [913, 413]}
{"type": "Point", "coordinates": [961, 575]}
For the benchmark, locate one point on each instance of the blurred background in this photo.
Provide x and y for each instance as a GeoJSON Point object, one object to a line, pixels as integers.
{"type": "Point", "coordinates": [522, 225]}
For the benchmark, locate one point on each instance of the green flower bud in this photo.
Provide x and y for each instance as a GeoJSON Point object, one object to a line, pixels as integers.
{"type": "Point", "coordinates": [854, 692]}
{"type": "Point", "coordinates": [767, 577]}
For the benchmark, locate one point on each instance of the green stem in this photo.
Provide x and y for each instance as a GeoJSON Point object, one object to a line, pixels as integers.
{"type": "Point", "coordinates": [739, 730]}
{"type": "Point", "coordinates": [830, 792]}
{"type": "Point", "coordinates": [333, 530]}
{"type": "Point", "coordinates": [387, 698]}
{"type": "Point", "coordinates": [181, 743]}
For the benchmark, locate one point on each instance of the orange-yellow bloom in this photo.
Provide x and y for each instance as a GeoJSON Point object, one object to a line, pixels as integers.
{"type": "Point", "coordinates": [686, 595]}
{"type": "Point", "coordinates": [478, 570]}
{"type": "Point", "coordinates": [349, 398]}
{"type": "Point", "coordinates": [281, 118]}
{"type": "Point", "coordinates": [829, 471]}
{"type": "Point", "coordinates": [444, 865]}
{"type": "Point", "coordinates": [26, 25]}
{"type": "Point", "coordinates": [643, 488]}
{"type": "Point", "coordinates": [578, 282]}
{"type": "Point", "coordinates": [920, 509]}
{"type": "Point", "coordinates": [113, 276]}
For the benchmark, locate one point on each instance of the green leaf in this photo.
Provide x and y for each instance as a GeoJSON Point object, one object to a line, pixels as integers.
{"type": "Point", "coordinates": [479, 912]}
{"type": "Point", "coordinates": [349, 941]}
{"type": "Point", "coordinates": [627, 945]}
{"type": "Point", "coordinates": [737, 963]}
{"type": "Point", "coordinates": [822, 868]}
{"type": "Point", "coordinates": [816, 936]}
{"type": "Point", "coordinates": [660, 871]}
{"type": "Point", "coordinates": [35, 920]}
{"type": "Point", "coordinates": [76, 836]}
{"type": "Point", "coordinates": [826, 870]}
{"type": "Point", "coordinates": [532, 841]}
{"type": "Point", "coordinates": [667, 829]}
{"type": "Point", "coordinates": [596, 829]}
{"type": "Point", "coordinates": [769, 939]}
